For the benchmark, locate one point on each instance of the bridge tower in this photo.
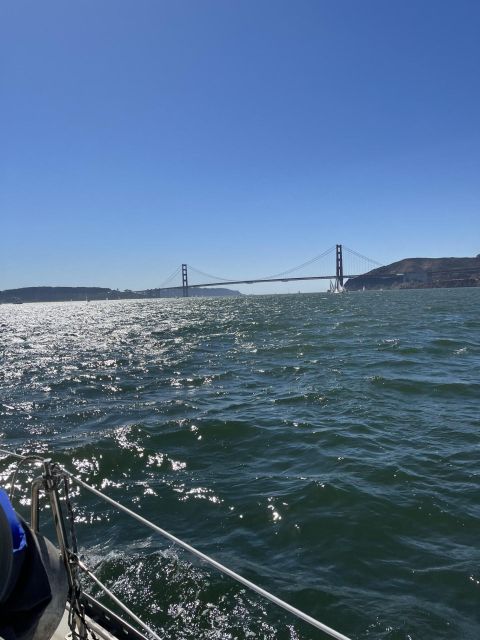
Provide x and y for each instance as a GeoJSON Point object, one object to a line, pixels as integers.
{"type": "Point", "coordinates": [184, 281]}
{"type": "Point", "coordinates": [339, 266]}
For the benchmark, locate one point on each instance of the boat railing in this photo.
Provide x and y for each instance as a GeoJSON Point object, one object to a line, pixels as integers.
{"type": "Point", "coordinates": [55, 476]}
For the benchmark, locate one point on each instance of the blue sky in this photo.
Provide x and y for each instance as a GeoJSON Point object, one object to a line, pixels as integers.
{"type": "Point", "coordinates": [240, 137]}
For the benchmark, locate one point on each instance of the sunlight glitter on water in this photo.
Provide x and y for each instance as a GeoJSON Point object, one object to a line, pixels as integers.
{"type": "Point", "coordinates": [328, 448]}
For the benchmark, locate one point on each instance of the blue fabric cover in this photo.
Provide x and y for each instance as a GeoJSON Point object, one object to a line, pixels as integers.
{"type": "Point", "coordinates": [18, 532]}
{"type": "Point", "coordinates": [27, 590]}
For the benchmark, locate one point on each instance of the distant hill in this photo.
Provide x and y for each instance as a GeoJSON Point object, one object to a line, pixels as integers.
{"type": "Point", "coordinates": [420, 273]}
{"type": "Point", "coordinates": [64, 294]}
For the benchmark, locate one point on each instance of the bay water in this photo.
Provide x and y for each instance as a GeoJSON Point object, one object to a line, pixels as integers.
{"type": "Point", "coordinates": [324, 446]}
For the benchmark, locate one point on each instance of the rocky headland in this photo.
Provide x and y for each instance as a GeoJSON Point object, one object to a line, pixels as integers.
{"type": "Point", "coordinates": [420, 273]}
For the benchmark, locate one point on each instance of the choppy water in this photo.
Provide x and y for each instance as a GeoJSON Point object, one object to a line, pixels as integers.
{"type": "Point", "coordinates": [324, 446]}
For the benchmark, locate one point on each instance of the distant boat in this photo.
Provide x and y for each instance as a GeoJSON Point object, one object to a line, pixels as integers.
{"type": "Point", "coordinates": [336, 287]}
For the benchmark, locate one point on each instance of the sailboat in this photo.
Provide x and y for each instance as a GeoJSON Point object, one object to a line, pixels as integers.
{"type": "Point", "coordinates": [336, 287]}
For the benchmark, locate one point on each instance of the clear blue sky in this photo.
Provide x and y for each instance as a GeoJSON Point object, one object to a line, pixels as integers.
{"type": "Point", "coordinates": [241, 137]}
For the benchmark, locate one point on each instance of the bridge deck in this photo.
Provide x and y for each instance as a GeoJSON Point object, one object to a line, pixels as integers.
{"type": "Point", "coordinates": [253, 281]}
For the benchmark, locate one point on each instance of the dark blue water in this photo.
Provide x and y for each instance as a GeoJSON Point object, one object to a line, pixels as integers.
{"type": "Point", "coordinates": [325, 446]}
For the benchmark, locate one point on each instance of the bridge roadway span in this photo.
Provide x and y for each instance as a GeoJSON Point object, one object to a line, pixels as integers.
{"type": "Point", "coordinates": [223, 284]}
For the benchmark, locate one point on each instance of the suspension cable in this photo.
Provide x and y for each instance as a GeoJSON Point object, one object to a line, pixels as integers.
{"type": "Point", "coordinates": [170, 278]}
{"type": "Point", "coordinates": [305, 264]}
{"type": "Point", "coordinates": [275, 275]}
{"type": "Point", "coordinates": [359, 255]}
{"type": "Point", "coordinates": [209, 275]}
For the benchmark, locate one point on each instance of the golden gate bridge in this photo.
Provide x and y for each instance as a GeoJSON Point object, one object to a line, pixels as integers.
{"type": "Point", "coordinates": [348, 264]}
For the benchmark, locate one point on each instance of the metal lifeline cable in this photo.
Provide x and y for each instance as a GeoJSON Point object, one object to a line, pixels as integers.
{"type": "Point", "coordinates": [19, 456]}
{"type": "Point", "coordinates": [220, 567]}
{"type": "Point", "coordinates": [76, 613]}
{"type": "Point", "coordinates": [232, 574]}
